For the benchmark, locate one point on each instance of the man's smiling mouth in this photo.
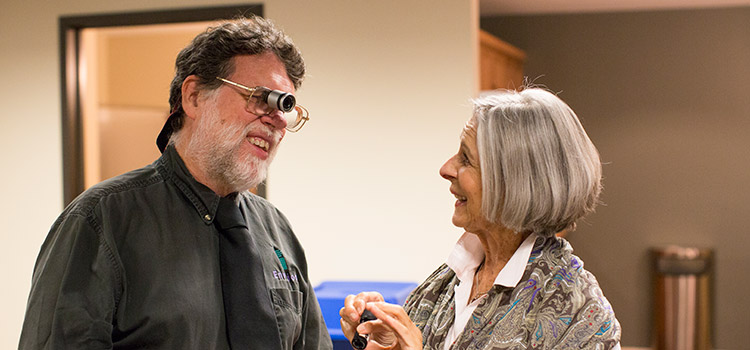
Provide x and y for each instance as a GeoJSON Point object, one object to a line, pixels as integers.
{"type": "Point", "coordinates": [259, 142]}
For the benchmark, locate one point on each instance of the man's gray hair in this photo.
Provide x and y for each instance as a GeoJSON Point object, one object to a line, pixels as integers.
{"type": "Point", "coordinates": [211, 54]}
{"type": "Point", "coordinates": [540, 171]}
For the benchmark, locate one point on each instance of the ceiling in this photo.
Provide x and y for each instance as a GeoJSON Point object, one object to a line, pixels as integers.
{"type": "Point", "coordinates": [523, 7]}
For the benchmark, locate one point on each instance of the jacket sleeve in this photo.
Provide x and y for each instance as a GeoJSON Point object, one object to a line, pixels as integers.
{"type": "Point", "coordinates": [74, 291]}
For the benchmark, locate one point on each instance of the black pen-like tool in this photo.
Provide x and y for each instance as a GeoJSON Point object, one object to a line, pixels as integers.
{"type": "Point", "coordinates": [359, 342]}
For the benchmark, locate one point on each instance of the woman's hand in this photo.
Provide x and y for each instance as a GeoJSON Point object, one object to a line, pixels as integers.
{"type": "Point", "coordinates": [354, 306]}
{"type": "Point", "coordinates": [392, 330]}
{"type": "Point", "coordinates": [393, 320]}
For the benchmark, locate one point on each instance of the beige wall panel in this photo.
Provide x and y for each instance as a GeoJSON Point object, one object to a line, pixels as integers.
{"type": "Point", "coordinates": [664, 96]}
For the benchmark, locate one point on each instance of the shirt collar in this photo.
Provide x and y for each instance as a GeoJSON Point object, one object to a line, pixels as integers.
{"type": "Point", "coordinates": [204, 200]}
{"type": "Point", "coordinates": [469, 253]}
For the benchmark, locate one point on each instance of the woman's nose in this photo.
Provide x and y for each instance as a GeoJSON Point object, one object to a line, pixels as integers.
{"type": "Point", "coordinates": [448, 170]}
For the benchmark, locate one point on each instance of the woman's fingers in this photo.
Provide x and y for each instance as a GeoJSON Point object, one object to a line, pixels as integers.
{"type": "Point", "coordinates": [393, 317]}
{"type": "Point", "coordinates": [370, 297]}
{"type": "Point", "coordinates": [354, 305]}
{"type": "Point", "coordinates": [347, 327]}
{"type": "Point", "coordinates": [349, 311]}
{"type": "Point", "coordinates": [379, 335]}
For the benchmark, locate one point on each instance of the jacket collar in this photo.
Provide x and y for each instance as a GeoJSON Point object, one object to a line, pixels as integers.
{"type": "Point", "coordinates": [203, 199]}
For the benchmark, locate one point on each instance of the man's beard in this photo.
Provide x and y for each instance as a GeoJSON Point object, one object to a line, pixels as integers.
{"type": "Point", "coordinates": [216, 148]}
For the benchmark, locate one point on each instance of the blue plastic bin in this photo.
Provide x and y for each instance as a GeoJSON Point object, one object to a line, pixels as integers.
{"type": "Point", "coordinates": [331, 295]}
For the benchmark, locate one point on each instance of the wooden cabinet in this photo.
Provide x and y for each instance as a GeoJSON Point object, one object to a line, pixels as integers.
{"type": "Point", "coordinates": [500, 63]}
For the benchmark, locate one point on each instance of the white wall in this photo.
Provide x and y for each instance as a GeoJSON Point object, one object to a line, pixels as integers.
{"type": "Point", "coordinates": [387, 90]}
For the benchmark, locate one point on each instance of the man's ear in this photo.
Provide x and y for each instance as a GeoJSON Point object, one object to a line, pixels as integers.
{"type": "Point", "coordinates": [191, 96]}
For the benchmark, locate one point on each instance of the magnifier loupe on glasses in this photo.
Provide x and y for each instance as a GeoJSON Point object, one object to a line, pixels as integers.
{"type": "Point", "coordinates": [262, 100]}
{"type": "Point", "coordinates": [277, 99]}
{"type": "Point", "coordinates": [294, 114]}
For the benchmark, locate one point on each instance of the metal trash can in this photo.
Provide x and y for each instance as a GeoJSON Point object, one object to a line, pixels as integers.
{"type": "Point", "coordinates": [683, 298]}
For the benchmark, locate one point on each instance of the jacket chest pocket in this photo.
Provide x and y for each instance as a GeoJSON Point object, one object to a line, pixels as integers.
{"type": "Point", "coordinates": [288, 307]}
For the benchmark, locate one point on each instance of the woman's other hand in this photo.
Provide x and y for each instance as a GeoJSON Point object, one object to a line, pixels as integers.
{"type": "Point", "coordinates": [392, 330]}
{"type": "Point", "coordinates": [354, 306]}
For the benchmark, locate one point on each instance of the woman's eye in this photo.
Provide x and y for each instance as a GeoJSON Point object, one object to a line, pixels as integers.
{"type": "Point", "coordinates": [463, 159]}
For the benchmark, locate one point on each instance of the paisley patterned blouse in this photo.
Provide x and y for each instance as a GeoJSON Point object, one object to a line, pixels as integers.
{"type": "Point", "coordinates": [556, 305]}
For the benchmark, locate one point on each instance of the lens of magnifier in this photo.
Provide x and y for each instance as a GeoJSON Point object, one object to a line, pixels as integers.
{"type": "Point", "coordinates": [281, 100]}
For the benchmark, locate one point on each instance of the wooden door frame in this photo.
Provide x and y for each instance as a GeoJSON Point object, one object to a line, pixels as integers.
{"type": "Point", "coordinates": [69, 35]}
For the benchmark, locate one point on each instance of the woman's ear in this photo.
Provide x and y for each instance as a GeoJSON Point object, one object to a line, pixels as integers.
{"type": "Point", "coordinates": [190, 96]}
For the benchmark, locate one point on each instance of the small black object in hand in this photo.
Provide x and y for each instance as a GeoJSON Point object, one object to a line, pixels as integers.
{"type": "Point", "coordinates": [360, 342]}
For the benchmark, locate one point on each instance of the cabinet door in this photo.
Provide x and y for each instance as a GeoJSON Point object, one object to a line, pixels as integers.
{"type": "Point", "coordinates": [500, 63]}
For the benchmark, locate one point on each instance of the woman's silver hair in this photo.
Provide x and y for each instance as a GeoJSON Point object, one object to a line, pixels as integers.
{"type": "Point", "coordinates": [540, 171]}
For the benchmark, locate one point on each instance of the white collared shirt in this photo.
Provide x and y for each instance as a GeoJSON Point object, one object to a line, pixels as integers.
{"type": "Point", "coordinates": [464, 260]}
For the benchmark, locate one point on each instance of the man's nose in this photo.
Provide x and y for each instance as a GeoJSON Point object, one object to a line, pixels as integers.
{"type": "Point", "coordinates": [275, 118]}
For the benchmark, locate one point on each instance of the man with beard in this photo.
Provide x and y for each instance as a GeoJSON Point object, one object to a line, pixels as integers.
{"type": "Point", "coordinates": [179, 254]}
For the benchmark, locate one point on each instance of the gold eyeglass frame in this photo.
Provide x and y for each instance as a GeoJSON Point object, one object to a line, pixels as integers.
{"type": "Point", "coordinates": [302, 114]}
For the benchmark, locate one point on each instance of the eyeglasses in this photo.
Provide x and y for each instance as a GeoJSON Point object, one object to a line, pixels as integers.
{"type": "Point", "coordinates": [263, 101]}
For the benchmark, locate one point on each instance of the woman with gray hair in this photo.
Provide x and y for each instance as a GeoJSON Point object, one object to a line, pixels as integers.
{"type": "Point", "coordinates": [525, 171]}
